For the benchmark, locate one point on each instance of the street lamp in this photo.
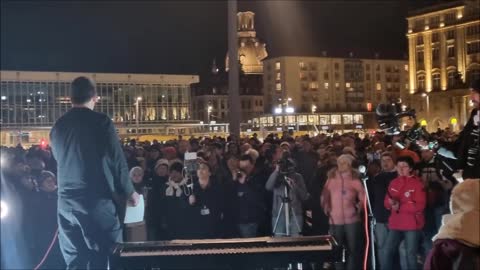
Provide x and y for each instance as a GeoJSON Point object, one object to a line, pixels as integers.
{"type": "Point", "coordinates": [427, 99]}
{"type": "Point", "coordinates": [209, 110]}
{"type": "Point", "coordinates": [137, 103]}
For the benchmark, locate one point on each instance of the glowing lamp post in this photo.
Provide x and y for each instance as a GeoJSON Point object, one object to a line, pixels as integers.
{"type": "Point", "coordinates": [209, 111]}
{"type": "Point", "coordinates": [137, 112]}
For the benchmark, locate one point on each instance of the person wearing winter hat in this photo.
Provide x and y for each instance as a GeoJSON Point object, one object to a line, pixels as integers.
{"type": "Point", "coordinates": [47, 181]}
{"type": "Point", "coordinates": [154, 200]}
{"type": "Point", "coordinates": [161, 167]}
{"type": "Point", "coordinates": [457, 244]}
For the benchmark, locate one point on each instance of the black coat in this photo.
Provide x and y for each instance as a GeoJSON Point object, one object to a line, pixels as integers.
{"type": "Point", "coordinates": [378, 189]}
{"type": "Point", "coordinates": [207, 212]}
{"type": "Point", "coordinates": [468, 140]}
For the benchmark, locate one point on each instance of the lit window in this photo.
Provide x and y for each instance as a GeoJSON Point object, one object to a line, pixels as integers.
{"type": "Point", "coordinates": [335, 119]}
{"type": "Point", "coordinates": [278, 76]}
{"type": "Point", "coordinates": [451, 51]}
{"type": "Point", "coordinates": [279, 87]}
{"type": "Point", "coordinates": [406, 86]}
{"type": "Point", "coordinates": [4, 97]}
{"type": "Point", "coordinates": [421, 82]}
{"type": "Point", "coordinates": [277, 65]}
{"type": "Point", "coordinates": [314, 85]}
{"type": "Point", "coordinates": [347, 85]}
{"type": "Point", "coordinates": [337, 85]}
{"type": "Point", "coordinates": [347, 119]}
{"type": "Point", "coordinates": [379, 86]}
{"type": "Point", "coordinates": [301, 65]}
{"type": "Point", "coordinates": [326, 85]}
{"type": "Point", "coordinates": [406, 67]}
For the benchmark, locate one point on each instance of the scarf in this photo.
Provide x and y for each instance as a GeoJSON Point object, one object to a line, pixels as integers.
{"type": "Point", "coordinates": [174, 187]}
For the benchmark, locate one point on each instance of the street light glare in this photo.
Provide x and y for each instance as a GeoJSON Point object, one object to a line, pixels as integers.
{"type": "Point", "coordinates": [3, 209]}
{"type": "Point", "coordinates": [139, 98]}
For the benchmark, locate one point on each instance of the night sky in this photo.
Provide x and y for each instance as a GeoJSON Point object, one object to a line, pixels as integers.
{"type": "Point", "coordinates": [182, 37]}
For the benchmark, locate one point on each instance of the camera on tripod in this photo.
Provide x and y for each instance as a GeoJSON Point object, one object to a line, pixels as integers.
{"type": "Point", "coordinates": [388, 119]}
{"type": "Point", "coordinates": [286, 164]}
{"type": "Point", "coordinates": [389, 115]}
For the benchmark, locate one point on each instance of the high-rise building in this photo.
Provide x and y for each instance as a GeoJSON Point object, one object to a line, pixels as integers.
{"type": "Point", "coordinates": [444, 55]}
{"type": "Point", "coordinates": [326, 84]}
{"type": "Point", "coordinates": [32, 101]}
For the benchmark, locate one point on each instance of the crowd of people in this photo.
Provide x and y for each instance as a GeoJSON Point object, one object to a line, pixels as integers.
{"type": "Point", "coordinates": [238, 186]}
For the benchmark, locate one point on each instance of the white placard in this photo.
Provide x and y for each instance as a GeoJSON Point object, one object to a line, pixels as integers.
{"type": "Point", "coordinates": [135, 214]}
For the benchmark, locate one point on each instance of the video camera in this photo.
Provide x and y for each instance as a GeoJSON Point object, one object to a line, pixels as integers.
{"type": "Point", "coordinates": [286, 164]}
{"type": "Point", "coordinates": [388, 119]}
{"type": "Point", "coordinates": [389, 116]}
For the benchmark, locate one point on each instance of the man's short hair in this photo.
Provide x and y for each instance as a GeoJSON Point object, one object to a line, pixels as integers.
{"type": "Point", "coordinates": [407, 160]}
{"type": "Point", "coordinates": [247, 157]}
{"type": "Point", "coordinates": [82, 90]}
{"type": "Point", "coordinates": [388, 154]}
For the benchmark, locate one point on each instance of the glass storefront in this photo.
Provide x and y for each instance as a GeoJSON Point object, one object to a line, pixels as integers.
{"type": "Point", "coordinates": [40, 103]}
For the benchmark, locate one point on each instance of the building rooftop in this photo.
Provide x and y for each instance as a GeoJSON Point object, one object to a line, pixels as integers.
{"type": "Point", "coordinates": [435, 7]}
{"type": "Point", "coordinates": [17, 75]}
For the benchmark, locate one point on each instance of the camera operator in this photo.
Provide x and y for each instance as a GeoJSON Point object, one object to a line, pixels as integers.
{"type": "Point", "coordinates": [284, 174]}
{"type": "Point", "coordinates": [467, 147]}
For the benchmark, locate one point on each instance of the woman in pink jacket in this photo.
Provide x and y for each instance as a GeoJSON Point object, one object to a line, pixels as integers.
{"type": "Point", "coordinates": [342, 201]}
{"type": "Point", "coordinates": [406, 201]}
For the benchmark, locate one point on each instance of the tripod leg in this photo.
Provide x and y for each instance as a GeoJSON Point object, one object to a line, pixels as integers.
{"type": "Point", "coordinates": [278, 218]}
{"type": "Point", "coordinates": [296, 222]}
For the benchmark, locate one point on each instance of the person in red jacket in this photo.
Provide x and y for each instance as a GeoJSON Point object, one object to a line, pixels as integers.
{"type": "Point", "coordinates": [406, 201]}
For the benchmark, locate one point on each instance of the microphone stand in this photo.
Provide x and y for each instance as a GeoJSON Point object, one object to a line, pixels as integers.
{"type": "Point", "coordinates": [372, 220]}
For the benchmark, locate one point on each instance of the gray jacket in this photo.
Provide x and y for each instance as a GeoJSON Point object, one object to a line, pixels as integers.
{"type": "Point", "coordinates": [298, 193]}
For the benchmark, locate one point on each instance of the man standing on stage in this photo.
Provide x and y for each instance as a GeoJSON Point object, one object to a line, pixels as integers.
{"type": "Point", "coordinates": [91, 168]}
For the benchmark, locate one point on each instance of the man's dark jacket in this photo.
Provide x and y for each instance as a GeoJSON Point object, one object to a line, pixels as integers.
{"type": "Point", "coordinates": [465, 142]}
{"type": "Point", "coordinates": [91, 162]}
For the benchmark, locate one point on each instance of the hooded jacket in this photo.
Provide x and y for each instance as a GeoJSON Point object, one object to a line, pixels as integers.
{"type": "Point", "coordinates": [409, 192]}
{"type": "Point", "coordinates": [457, 244]}
{"type": "Point", "coordinates": [342, 198]}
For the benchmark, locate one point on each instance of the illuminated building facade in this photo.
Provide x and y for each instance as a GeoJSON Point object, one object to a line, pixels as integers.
{"type": "Point", "coordinates": [32, 101]}
{"type": "Point", "coordinates": [327, 84]}
{"type": "Point", "coordinates": [444, 55]}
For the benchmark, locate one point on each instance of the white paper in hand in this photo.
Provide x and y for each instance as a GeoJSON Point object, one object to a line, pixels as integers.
{"type": "Point", "coordinates": [135, 214]}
